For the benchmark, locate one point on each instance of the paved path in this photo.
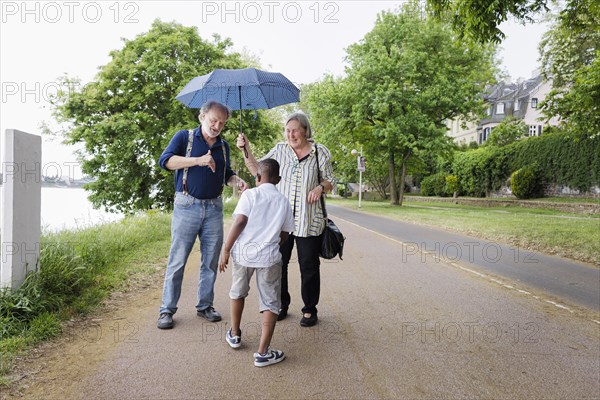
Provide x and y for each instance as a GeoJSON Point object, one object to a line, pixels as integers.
{"type": "Point", "coordinates": [565, 280]}
{"type": "Point", "coordinates": [391, 327]}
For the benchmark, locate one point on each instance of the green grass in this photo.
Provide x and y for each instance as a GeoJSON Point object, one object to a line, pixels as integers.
{"type": "Point", "coordinates": [78, 269]}
{"type": "Point", "coordinates": [568, 200]}
{"type": "Point", "coordinates": [576, 236]}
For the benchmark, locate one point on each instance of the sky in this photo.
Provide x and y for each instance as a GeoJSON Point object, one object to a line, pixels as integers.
{"type": "Point", "coordinates": [43, 40]}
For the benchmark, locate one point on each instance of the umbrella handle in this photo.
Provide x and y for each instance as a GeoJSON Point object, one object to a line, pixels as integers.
{"type": "Point", "coordinates": [245, 148]}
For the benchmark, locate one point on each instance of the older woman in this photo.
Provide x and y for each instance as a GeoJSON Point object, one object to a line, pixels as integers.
{"type": "Point", "coordinates": [300, 184]}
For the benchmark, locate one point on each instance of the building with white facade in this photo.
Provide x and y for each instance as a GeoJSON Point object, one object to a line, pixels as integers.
{"type": "Point", "coordinates": [519, 100]}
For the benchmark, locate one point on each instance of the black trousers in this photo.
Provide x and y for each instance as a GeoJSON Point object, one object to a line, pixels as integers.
{"type": "Point", "coordinates": [310, 275]}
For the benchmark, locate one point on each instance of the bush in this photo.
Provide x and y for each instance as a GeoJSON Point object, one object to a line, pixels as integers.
{"type": "Point", "coordinates": [452, 184]}
{"type": "Point", "coordinates": [525, 182]}
{"type": "Point", "coordinates": [435, 185]}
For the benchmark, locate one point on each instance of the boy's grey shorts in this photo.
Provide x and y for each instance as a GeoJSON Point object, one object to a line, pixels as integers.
{"type": "Point", "coordinates": [268, 283]}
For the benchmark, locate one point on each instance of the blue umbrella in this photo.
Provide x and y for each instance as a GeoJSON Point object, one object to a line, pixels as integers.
{"type": "Point", "coordinates": [240, 89]}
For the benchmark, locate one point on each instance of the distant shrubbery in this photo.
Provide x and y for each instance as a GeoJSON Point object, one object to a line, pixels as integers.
{"type": "Point", "coordinates": [440, 184]}
{"type": "Point", "coordinates": [561, 159]}
{"type": "Point", "coordinates": [434, 185]}
{"type": "Point", "coordinates": [525, 182]}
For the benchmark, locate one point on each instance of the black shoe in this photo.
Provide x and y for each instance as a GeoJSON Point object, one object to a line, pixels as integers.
{"type": "Point", "coordinates": [282, 314]}
{"type": "Point", "coordinates": [309, 319]}
{"type": "Point", "coordinates": [209, 314]}
{"type": "Point", "coordinates": [165, 321]}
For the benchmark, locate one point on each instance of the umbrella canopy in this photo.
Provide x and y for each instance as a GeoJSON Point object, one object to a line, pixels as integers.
{"type": "Point", "coordinates": [240, 89]}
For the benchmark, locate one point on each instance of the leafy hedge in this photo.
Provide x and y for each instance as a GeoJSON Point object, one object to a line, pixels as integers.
{"type": "Point", "coordinates": [434, 185]}
{"type": "Point", "coordinates": [440, 184]}
{"type": "Point", "coordinates": [562, 158]}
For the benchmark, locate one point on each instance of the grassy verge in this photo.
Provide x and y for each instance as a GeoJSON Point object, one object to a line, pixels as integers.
{"type": "Point", "coordinates": [574, 236]}
{"type": "Point", "coordinates": [567, 200]}
{"type": "Point", "coordinates": [78, 269]}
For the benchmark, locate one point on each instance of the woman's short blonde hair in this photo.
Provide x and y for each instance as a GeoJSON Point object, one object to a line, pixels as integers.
{"type": "Point", "coordinates": [303, 120]}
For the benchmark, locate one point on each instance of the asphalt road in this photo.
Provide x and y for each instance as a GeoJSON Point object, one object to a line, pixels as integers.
{"type": "Point", "coordinates": [392, 326]}
{"type": "Point", "coordinates": [566, 280]}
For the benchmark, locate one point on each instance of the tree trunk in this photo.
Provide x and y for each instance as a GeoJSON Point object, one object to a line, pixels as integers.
{"type": "Point", "coordinates": [392, 173]}
{"type": "Point", "coordinates": [403, 176]}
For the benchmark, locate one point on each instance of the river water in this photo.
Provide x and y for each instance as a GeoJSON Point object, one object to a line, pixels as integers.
{"type": "Point", "coordinates": [70, 209]}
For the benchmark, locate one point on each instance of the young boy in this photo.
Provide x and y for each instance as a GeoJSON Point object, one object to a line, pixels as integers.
{"type": "Point", "coordinates": [263, 220]}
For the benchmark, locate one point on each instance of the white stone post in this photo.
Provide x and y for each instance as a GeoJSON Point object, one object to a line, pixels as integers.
{"type": "Point", "coordinates": [21, 206]}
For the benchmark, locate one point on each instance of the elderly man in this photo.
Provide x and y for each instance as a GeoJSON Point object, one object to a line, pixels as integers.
{"type": "Point", "coordinates": [201, 161]}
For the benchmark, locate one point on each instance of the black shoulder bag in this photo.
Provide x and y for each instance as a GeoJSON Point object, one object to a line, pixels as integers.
{"type": "Point", "coordinates": [333, 239]}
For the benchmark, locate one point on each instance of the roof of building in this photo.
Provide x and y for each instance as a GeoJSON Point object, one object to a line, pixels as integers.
{"type": "Point", "coordinates": [509, 93]}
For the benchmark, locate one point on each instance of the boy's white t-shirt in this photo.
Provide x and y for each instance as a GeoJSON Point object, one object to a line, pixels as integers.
{"type": "Point", "coordinates": [269, 213]}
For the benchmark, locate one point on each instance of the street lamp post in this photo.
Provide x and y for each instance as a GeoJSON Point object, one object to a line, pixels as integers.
{"type": "Point", "coordinates": [361, 168]}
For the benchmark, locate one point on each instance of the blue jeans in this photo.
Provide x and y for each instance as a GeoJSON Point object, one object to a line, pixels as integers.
{"type": "Point", "coordinates": [193, 218]}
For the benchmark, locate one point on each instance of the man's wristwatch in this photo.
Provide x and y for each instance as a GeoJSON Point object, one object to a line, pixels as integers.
{"type": "Point", "coordinates": [322, 187]}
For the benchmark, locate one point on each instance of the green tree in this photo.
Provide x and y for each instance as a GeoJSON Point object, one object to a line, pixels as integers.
{"type": "Point", "coordinates": [405, 79]}
{"type": "Point", "coordinates": [580, 106]}
{"type": "Point", "coordinates": [508, 131]}
{"type": "Point", "coordinates": [127, 115]}
{"type": "Point", "coordinates": [571, 58]}
{"type": "Point", "coordinates": [479, 19]}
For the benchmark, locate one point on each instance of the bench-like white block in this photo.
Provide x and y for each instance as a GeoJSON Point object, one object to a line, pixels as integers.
{"type": "Point", "coordinates": [21, 206]}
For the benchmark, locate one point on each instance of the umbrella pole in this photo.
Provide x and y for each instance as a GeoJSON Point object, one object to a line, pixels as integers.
{"type": "Point", "coordinates": [241, 111]}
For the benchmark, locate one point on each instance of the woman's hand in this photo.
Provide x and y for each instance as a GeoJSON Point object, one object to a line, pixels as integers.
{"type": "Point", "coordinates": [315, 194]}
{"type": "Point", "coordinates": [243, 144]}
{"type": "Point", "coordinates": [242, 141]}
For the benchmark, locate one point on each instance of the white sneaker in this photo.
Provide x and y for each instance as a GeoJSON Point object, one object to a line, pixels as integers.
{"type": "Point", "coordinates": [271, 357]}
{"type": "Point", "coordinates": [234, 341]}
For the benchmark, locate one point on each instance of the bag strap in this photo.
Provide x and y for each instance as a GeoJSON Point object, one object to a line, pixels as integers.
{"type": "Point", "coordinates": [319, 178]}
{"type": "Point", "coordinates": [225, 150]}
{"type": "Point", "coordinates": [188, 153]}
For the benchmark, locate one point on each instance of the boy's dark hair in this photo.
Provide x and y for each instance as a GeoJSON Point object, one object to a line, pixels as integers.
{"type": "Point", "coordinates": [270, 168]}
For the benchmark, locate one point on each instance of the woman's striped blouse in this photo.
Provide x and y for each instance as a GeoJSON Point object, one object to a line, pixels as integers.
{"type": "Point", "coordinates": [298, 177]}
